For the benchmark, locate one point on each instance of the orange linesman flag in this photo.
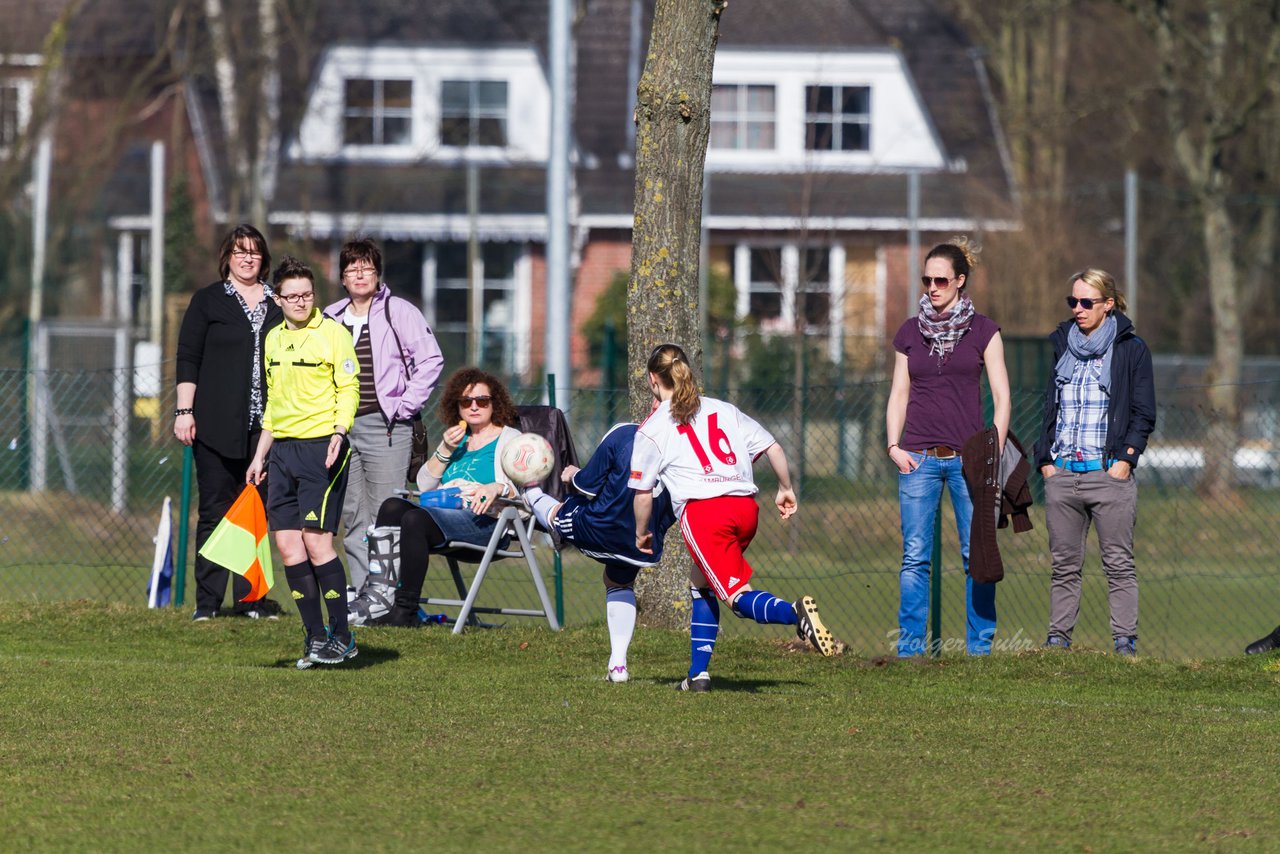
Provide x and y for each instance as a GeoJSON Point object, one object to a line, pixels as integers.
{"type": "Point", "coordinates": [240, 543]}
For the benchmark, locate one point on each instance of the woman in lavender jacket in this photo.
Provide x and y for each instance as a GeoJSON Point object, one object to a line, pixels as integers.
{"type": "Point", "coordinates": [400, 364]}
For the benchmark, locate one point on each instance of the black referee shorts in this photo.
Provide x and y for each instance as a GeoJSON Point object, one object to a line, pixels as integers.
{"type": "Point", "coordinates": [301, 492]}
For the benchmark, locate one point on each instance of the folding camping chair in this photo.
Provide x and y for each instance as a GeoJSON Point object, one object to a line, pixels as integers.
{"type": "Point", "coordinates": [518, 532]}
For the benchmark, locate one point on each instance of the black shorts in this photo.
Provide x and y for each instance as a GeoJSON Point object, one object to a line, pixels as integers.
{"type": "Point", "coordinates": [301, 492]}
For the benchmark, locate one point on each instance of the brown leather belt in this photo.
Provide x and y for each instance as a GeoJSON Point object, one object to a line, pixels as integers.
{"type": "Point", "coordinates": [942, 452]}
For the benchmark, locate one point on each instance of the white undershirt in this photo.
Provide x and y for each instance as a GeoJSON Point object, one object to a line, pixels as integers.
{"type": "Point", "coordinates": [356, 322]}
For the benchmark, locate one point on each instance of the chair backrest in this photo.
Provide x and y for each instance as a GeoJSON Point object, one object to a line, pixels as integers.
{"type": "Point", "coordinates": [550, 423]}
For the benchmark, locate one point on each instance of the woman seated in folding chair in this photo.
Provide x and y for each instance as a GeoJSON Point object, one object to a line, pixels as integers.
{"type": "Point", "coordinates": [597, 518]}
{"type": "Point", "coordinates": [478, 414]}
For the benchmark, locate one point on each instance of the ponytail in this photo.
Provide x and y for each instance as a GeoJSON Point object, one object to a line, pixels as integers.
{"type": "Point", "coordinates": [670, 365]}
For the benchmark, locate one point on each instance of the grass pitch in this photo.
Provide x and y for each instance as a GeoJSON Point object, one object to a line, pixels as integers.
{"type": "Point", "coordinates": [124, 730]}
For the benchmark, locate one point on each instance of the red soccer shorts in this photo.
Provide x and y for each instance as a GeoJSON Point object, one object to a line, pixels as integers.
{"type": "Point", "coordinates": [717, 532]}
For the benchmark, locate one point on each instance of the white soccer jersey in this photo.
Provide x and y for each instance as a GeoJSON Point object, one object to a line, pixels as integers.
{"type": "Point", "coordinates": [709, 457]}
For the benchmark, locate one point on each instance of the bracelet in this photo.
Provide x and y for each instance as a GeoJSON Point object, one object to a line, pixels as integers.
{"type": "Point", "coordinates": [190, 410]}
{"type": "Point", "coordinates": [442, 458]}
{"type": "Point", "coordinates": [891, 447]}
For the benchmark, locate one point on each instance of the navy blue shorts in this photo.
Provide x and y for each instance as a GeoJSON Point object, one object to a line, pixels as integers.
{"type": "Point", "coordinates": [301, 492]}
{"type": "Point", "coordinates": [606, 538]}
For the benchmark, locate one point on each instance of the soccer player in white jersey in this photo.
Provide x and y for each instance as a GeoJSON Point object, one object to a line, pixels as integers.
{"type": "Point", "coordinates": [701, 450]}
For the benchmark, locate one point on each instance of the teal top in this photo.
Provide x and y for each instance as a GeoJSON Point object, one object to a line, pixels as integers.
{"type": "Point", "coordinates": [475, 466]}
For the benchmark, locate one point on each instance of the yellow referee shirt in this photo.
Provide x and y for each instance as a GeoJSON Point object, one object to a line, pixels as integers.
{"type": "Point", "coordinates": [313, 380]}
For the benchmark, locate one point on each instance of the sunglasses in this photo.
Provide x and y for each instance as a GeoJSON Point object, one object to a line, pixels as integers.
{"type": "Point", "coordinates": [483, 401]}
{"type": "Point", "coordinates": [1086, 303]}
{"type": "Point", "coordinates": [939, 281]}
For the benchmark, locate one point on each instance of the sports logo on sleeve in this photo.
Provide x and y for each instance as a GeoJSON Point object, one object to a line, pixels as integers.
{"type": "Point", "coordinates": [349, 366]}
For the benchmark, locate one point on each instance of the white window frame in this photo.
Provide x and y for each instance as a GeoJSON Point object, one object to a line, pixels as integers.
{"type": "Point", "coordinates": [476, 112]}
{"type": "Point", "coordinates": [742, 117]}
{"type": "Point", "coordinates": [517, 286]}
{"type": "Point", "coordinates": [788, 321]}
{"type": "Point", "coordinates": [837, 118]}
{"type": "Point", "coordinates": [22, 89]}
{"type": "Point", "coordinates": [320, 134]}
{"type": "Point", "coordinates": [378, 114]}
{"type": "Point", "coordinates": [902, 135]}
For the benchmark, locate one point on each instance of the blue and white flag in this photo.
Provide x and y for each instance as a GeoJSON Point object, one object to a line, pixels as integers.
{"type": "Point", "coordinates": [160, 587]}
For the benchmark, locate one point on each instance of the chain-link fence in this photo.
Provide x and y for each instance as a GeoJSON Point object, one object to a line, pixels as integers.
{"type": "Point", "coordinates": [80, 505]}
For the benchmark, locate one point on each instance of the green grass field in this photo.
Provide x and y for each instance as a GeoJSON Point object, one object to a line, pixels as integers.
{"type": "Point", "coordinates": [127, 730]}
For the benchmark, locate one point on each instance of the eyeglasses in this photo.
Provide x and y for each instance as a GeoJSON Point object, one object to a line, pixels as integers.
{"type": "Point", "coordinates": [359, 272]}
{"type": "Point", "coordinates": [1087, 303]}
{"type": "Point", "coordinates": [298, 299]}
{"type": "Point", "coordinates": [482, 401]}
{"type": "Point", "coordinates": [940, 281]}
{"type": "Point", "coordinates": [245, 253]}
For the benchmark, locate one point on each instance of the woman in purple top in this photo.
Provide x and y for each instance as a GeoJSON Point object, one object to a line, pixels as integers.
{"type": "Point", "coordinates": [934, 405]}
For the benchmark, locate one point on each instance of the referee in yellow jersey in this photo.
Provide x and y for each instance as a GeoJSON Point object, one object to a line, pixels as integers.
{"type": "Point", "coordinates": [313, 383]}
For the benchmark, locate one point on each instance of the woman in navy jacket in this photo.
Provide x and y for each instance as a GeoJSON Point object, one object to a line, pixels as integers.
{"type": "Point", "coordinates": [221, 394]}
{"type": "Point", "coordinates": [1099, 409]}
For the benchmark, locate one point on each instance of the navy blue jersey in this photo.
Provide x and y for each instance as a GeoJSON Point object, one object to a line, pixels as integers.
{"type": "Point", "coordinates": [598, 517]}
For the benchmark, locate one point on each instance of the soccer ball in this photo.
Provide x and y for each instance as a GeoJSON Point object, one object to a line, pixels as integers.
{"type": "Point", "coordinates": [527, 459]}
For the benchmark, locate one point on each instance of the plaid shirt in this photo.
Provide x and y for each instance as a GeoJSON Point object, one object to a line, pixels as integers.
{"type": "Point", "coordinates": [1081, 432]}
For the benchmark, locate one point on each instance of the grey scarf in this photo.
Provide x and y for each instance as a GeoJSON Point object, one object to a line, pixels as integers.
{"type": "Point", "coordinates": [1082, 348]}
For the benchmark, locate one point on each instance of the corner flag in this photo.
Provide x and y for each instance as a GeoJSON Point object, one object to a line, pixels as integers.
{"type": "Point", "coordinates": [160, 587]}
{"type": "Point", "coordinates": [240, 543]}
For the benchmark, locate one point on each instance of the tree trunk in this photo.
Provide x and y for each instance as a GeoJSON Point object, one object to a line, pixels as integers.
{"type": "Point", "coordinates": [673, 123]}
{"type": "Point", "coordinates": [1217, 481]}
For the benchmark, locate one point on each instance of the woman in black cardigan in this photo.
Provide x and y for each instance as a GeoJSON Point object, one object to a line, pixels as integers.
{"type": "Point", "coordinates": [221, 394]}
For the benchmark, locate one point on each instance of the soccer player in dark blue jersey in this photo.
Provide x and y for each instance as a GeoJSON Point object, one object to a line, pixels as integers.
{"type": "Point", "coordinates": [598, 518]}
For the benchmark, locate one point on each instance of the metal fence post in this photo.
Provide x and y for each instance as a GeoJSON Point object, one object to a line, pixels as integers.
{"type": "Point", "coordinates": [935, 584]}
{"type": "Point", "coordinates": [555, 560]}
{"type": "Point", "coordinates": [184, 515]}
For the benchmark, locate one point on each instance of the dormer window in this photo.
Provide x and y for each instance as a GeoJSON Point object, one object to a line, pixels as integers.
{"type": "Point", "coordinates": [743, 117]}
{"type": "Point", "coordinates": [377, 112]}
{"type": "Point", "coordinates": [837, 118]}
{"type": "Point", "coordinates": [473, 113]}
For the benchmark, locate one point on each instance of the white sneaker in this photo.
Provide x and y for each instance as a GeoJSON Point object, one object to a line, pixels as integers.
{"type": "Point", "coordinates": [617, 674]}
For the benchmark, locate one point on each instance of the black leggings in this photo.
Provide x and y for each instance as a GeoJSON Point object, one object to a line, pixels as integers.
{"type": "Point", "coordinates": [419, 534]}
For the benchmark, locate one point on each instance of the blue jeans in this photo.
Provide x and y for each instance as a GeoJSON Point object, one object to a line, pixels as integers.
{"type": "Point", "coordinates": [919, 497]}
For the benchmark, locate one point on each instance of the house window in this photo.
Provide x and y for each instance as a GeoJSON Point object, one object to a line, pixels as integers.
{"type": "Point", "coordinates": [764, 300]}
{"type": "Point", "coordinates": [837, 118]}
{"type": "Point", "coordinates": [495, 303]}
{"type": "Point", "coordinates": [813, 295]}
{"type": "Point", "coordinates": [377, 112]}
{"type": "Point", "coordinates": [742, 117]}
{"type": "Point", "coordinates": [10, 114]}
{"type": "Point", "coordinates": [473, 113]}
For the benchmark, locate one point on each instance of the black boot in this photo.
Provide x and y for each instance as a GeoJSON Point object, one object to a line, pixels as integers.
{"type": "Point", "coordinates": [403, 614]}
{"type": "Point", "coordinates": [1268, 644]}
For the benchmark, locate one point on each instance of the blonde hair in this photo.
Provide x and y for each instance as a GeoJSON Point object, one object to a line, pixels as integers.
{"type": "Point", "coordinates": [670, 365]}
{"type": "Point", "coordinates": [1102, 282]}
{"type": "Point", "coordinates": [961, 252]}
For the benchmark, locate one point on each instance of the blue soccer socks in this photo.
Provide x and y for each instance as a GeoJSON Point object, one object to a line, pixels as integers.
{"type": "Point", "coordinates": [763, 607]}
{"type": "Point", "coordinates": [704, 626]}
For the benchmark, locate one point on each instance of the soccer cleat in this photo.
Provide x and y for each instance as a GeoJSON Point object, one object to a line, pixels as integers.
{"type": "Point", "coordinates": [1056, 642]}
{"type": "Point", "coordinates": [1127, 647]}
{"type": "Point", "coordinates": [310, 646]}
{"type": "Point", "coordinates": [335, 650]}
{"type": "Point", "coordinates": [809, 626]}
{"type": "Point", "coordinates": [698, 684]}
{"type": "Point", "coordinates": [203, 614]}
{"type": "Point", "coordinates": [1268, 644]}
{"type": "Point", "coordinates": [618, 674]}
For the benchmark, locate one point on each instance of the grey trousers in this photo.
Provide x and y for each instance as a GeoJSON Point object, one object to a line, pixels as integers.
{"type": "Point", "coordinates": [1073, 500]}
{"type": "Point", "coordinates": [378, 467]}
